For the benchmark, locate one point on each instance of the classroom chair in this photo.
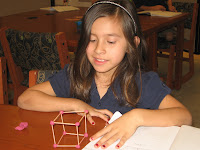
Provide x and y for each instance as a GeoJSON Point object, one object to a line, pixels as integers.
{"type": "Point", "coordinates": [3, 81]}
{"type": "Point", "coordinates": [25, 51]}
{"type": "Point", "coordinates": [39, 76]}
{"type": "Point", "coordinates": [190, 23]}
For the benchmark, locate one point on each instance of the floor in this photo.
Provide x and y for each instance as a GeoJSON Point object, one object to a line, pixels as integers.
{"type": "Point", "coordinates": [189, 94]}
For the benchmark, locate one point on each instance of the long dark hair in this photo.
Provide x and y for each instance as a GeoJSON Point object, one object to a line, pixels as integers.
{"type": "Point", "coordinates": [82, 72]}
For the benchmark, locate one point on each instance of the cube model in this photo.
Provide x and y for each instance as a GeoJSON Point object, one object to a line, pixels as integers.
{"type": "Point", "coordinates": [64, 124]}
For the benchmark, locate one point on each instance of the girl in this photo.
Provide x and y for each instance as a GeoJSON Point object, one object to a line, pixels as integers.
{"type": "Point", "coordinates": [108, 74]}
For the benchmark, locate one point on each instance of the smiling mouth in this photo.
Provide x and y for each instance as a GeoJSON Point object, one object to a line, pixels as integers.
{"type": "Point", "coordinates": [101, 60]}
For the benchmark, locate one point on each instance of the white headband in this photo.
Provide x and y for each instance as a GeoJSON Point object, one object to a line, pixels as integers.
{"type": "Point", "coordinates": [113, 3]}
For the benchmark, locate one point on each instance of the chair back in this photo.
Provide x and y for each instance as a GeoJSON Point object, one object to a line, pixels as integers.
{"type": "Point", "coordinates": [191, 21]}
{"type": "Point", "coordinates": [32, 50]}
{"type": "Point", "coordinates": [1, 50]}
{"type": "Point", "coordinates": [25, 51]}
{"type": "Point", "coordinates": [3, 81]}
{"type": "Point", "coordinates": [39, 76]}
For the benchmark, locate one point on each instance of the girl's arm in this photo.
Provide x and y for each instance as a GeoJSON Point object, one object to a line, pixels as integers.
{"type": "Point", "coordinates": [170, 113]}
{"type": "Point", "coordinates": [156, 7]}
{"type": "Point", "coordinates": [41, 97]}
{"type": "Point", "coordinates": [170, 6]}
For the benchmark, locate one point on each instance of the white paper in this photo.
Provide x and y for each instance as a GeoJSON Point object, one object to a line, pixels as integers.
{"type": "Point", "coordinates": [145, 138]}
{"type": "Point", "coordinates": [188, 138]}
{"type": "Point", "coordinates": [115, 116]}
{"type": "Point", "coordinates": [90, 146]}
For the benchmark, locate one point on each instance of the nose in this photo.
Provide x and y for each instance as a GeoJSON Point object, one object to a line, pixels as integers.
{"type": "Point", "coordinates": [100, 48]}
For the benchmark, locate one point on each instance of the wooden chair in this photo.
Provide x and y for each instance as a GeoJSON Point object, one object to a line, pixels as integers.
{"type": "Point", "coordinates": [25, 51]}
{"type": "Point", "coordinates": [3, 77]}
{"type": "Point", "coordinates": [39, 76]}
{"type": "Point", "coordinates": [188, 44]}
{"type": "Point", "coordinates": [169, 78]}
{"type": "Point", "coordinates": [3, 81]}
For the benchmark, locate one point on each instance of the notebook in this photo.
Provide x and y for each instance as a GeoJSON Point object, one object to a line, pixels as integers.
{"type": "Point", "coordinates": [159, 13]}
{"type": "Point", "coordinates": [158, 138]}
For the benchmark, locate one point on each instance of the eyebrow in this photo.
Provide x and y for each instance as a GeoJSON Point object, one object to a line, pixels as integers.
{"type": "Point", "coordinates": [112, 34]}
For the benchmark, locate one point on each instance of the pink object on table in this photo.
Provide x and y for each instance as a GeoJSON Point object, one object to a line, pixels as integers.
{"type": "Point", "coordinates": [51, 122]}
{"type": "Point", "coordinates": [19, 128]}
{"type": "Point", "coordinates": [77, 124]}
{"type": "Point", "coordinates": [85, 135]}
{"type": "Point", "coordinates": [22, 126]}
{"type": "Point", "coordinates": [61, 112]}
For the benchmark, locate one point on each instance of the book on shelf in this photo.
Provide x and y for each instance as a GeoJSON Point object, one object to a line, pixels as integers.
{"type": "Point", "coordinates": [158, 138]}
{"type": "Point", "coordinates": [159, 13]}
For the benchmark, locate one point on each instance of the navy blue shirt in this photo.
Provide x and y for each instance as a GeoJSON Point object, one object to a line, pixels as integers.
{"type": "Point", "coordinates": [153, 92]}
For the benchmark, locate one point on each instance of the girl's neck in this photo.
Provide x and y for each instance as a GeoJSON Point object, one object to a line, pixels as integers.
{"type": "Point", "coordinates": [102, 83]}
{"type": "Point", "coordinates": [102, 79]}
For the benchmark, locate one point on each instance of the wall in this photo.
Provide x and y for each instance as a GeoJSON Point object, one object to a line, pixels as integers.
{"type": "Point", "coordinates": [9, 7]}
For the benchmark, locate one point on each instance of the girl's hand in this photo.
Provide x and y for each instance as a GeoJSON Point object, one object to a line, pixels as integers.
{"type": "Point", "coordinates": [122, 128]}
{"type": "Point", "coordinates": [172, 8]}
{"type": "Point", "coordinates": [101, 113]}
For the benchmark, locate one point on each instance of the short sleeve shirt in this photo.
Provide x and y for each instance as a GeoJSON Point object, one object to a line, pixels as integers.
{"type": "Point", "coordinates": [153, 92]}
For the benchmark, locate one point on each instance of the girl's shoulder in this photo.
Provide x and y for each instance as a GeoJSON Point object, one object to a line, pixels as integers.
{"type": "Point", "coordinates": [147, 76]}
{"type": "Point", "coordinates": [150, 80]}
{"type": "Point", "coordinates": [153, 90]}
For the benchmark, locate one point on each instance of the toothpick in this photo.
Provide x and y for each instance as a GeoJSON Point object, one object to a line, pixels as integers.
{"type": "Point", "coordinates": [76, 124]}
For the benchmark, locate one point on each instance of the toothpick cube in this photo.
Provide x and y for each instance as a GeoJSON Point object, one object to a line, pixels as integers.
{"type": "Point", "coordinates": [64, 125]}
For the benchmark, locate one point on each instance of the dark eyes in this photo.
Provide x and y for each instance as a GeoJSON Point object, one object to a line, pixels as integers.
{"type": "Point", "coordinates": [109, 42]}
{"type": "Point", "coordinates": [92, 40]}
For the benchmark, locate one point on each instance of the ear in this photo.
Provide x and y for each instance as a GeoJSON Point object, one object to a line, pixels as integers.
{"type": "Point", "coordinates": [136, 41]}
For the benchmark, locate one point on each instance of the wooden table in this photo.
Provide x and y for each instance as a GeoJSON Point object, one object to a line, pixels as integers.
{"type": "Point", "coordinates": [151, 25]}
{"type": "Point", "coordinates": [50, 21]}
{"type": "Point", "coordinates": [38, 134]}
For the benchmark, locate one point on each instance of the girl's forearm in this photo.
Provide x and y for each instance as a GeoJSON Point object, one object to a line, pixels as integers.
{"type": "Point", "coordinates": [145, 8]}
{"type": "Point", "coordinates": [169, 2]}
{"type": "Point", "coordinates": [39, 101]}
{"type": "Point", "coordinates": [176, 116]}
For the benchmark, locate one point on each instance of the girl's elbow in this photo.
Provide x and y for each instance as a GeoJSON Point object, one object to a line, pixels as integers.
{"type": "Point", "coordinates": [189, 118]}
{"type": "Point", "coordinates": [22, 100]}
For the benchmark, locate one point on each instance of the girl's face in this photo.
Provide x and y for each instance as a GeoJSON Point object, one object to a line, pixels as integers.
{"type": "Point", "coordinates": [107, 46]}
